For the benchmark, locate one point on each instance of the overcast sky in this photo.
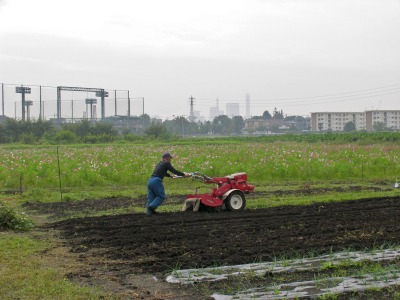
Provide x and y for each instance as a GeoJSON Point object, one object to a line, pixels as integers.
{"type": "Point", "coordinates": [300, 56]}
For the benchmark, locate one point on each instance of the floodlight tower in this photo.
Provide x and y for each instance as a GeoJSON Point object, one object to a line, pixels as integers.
{"type": "Point", "coordinates": [102, 94]}
{"type": "Point", "coordinates": [23, 90]}
{"type": "Point", "coordinates": [28, 104]}
{"type": "Point", "coordinates": [90, 101]}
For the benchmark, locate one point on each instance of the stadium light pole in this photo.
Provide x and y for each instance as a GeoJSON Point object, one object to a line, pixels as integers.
{"type": "Point", "coordinates": [23, 90]}
{"type": "Point", "coordinates": [28, 104]}
{"type": "Point", "coordinates": [102, 94]}
{"type": "Point", "coordinates": [90, 101]}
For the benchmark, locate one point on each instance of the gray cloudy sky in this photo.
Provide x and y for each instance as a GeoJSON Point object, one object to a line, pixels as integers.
{"type": "Point", "coordinates": [300, 56]}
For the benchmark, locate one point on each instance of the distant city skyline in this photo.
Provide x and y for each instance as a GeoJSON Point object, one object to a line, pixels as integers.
{"type": "Point", "coordinates": [73, 104]}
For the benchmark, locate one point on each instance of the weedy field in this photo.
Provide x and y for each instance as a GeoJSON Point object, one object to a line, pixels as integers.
{"type": "Point", "coordinates": [92, 239]}
{"type": "Point", "coordinates": [126, 165]}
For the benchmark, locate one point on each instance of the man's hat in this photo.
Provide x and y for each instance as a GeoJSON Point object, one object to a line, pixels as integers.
{"type": "Point", "coordinates": [167, 155]}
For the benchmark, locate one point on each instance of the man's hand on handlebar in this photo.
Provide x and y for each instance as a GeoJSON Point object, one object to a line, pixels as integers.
{"type": "Point", "coordinates": [186, 175]}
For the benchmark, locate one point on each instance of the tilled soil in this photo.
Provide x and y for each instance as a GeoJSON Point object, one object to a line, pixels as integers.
{"type": "Point", "coordinates": [88, 206]}
{"type": "Point", "coordinates": [123, 245]}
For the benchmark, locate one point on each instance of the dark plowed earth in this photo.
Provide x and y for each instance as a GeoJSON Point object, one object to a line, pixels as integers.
{"type": "Point", "coordinates": [67, 208]}
{"type": "Point", "coordinates": [135, 243]}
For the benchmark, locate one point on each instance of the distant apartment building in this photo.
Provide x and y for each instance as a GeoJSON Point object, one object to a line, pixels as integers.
{"type": "Point", "coordinates": [254, 124]}
{"type": "Point", "coordinates": [336, 121]}
{"type": "Point", "coordinates": [390, 119]}
{"type": "Point", "coordinates": [262, 124]}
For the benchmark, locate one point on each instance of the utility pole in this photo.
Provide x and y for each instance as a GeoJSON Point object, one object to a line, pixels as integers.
{"type": "Point", "coordinates": [115, 102]}
{"type": "Point", "coordinates": [2, 98]}
{"type": "Point", "coordinates": [191, 116]}
{"type": "Point", "coordinates": [128, 124]}
{"type": "Point", "coordinates": [143, 114]}
{"type": "Point", "coordinates": [129, 106]}
{"type": "Point", "coordinates": [40, 103]}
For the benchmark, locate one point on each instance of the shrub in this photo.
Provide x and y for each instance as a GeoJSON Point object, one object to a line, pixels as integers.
{"type": "Point", "coordinates": [27, 138]}
{"type": "Point", "coordinates": [99, 138]}
{"type": "Point", "coordinates": [66, 137]}
{"type": "Point", "coordinates": [13, 220]}
{"type": "Point", "coordinates": [133, 137]}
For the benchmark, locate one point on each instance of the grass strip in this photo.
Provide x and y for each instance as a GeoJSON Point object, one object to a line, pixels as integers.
{"type": "Point", "coordinates": [24, 273]}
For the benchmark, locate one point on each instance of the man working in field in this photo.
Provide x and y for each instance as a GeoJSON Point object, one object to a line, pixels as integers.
{"type": "Point", "coordinates": [155, 187]}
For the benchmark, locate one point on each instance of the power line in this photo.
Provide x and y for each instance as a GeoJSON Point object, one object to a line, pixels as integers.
{"type": "Point", "coordinates": [321, 99]}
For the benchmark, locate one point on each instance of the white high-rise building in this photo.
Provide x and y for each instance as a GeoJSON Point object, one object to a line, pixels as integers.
{"type": "Point", "coordinates": [198, 117]}
{"type": "Point", "coordinates": [215, 111]}
{"type": "Point", "coordinates": [247, 106]}
{"type": "Point", "coordinates": [335, 121]}
{"type": "Point", "coordinates": [232, 110]}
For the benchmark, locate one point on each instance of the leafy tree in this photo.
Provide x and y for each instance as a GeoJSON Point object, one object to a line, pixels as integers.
{"type": "Point", "coordinates": [205, 128]}
{"type": "Point", "coordinates": [193, 128]}
{"type": "Point", "coordinates": [277, 114]}
{"type": "Point", "coordinates": [237, 124]}
{"type": "Point", "coordinates": [222, 125]}
{"type": "Point", "coordinates": [169, 124]}
{"type": "Point", "coordinates": [262, 128]}
{"type": "Point", "coordinates": [294, 118]}
{"type": "Point", "coordinates": [80, 129]}
{"type": "Point", "coordinates": [146, 120]}
{"type": "Point", "coordinates": [103, 129]}
{"type": "Point", "coordinates": [379, 126]}
{"type": "Point", "coordinates": [3, 135]}
{"type": "Point", "coordinates": [39, 128]}
{"type": "Point", "coordinates": [85, 127]}
{"type": "Point", "coordinates": [13, 129]}
{"type": "Point", "coordinates": [274, 128]}
{"type": "Point", "coordinates": [349, 126]}
{"type": "Point", "coordinates": [156, 130]}
{"type": "Point", "coordinates": [266, 115]}
{"type": "Point", "coordinates": [293, 128]}
{"type": "Point", "coordinates": [180, 124]}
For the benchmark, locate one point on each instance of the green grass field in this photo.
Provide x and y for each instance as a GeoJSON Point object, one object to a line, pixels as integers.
{"type": "Point", "coordinates": [109, 167]}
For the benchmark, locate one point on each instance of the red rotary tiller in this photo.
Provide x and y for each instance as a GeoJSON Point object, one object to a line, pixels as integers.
{"type": "Point", "coordinates": [229, 193]}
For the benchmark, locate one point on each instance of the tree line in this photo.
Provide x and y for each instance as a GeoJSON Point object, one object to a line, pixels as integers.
{"type": "Point", "coordinates": [42, 131]}
{"type": "Point", "coordinates": [86, 131]}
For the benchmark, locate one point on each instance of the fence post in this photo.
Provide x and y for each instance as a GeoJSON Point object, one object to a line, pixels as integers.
{"type": "Point", "coordinates": [362, 172]}
{"type": "Point", "coordinates": [20, 183]}
{"type": "Point", "coordinates": [59, 175]}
